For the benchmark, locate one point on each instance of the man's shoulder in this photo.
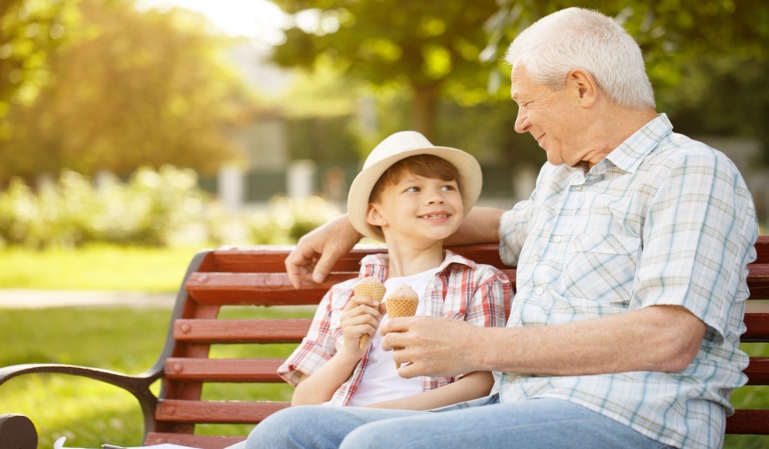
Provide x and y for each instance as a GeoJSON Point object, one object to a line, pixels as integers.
{"type": "Point", "coordinates": [679, 151]}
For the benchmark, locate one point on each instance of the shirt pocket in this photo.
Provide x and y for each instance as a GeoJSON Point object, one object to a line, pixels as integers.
{"type": "Point", "coordinates": [601, 267]}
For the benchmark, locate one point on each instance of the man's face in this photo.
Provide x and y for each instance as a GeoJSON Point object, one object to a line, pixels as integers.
{"type": "Point", "coordinates": [548, 115]}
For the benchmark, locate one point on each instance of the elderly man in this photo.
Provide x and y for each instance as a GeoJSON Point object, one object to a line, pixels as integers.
{"type": "Point", "coordinates": [632, 256]}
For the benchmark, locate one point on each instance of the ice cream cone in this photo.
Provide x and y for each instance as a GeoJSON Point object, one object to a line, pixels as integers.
{"type": "Point", "coordinates": [369, 287]}
{"type": "Point", "coordinates": [403, 302]}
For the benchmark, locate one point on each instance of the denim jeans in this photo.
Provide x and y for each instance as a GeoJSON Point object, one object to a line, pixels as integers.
{"type": "Point", "coordinates": [533, 424]}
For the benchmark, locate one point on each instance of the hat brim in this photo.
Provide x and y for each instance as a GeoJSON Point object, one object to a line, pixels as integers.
{"type": "Point", "coordinates": [470, 181]}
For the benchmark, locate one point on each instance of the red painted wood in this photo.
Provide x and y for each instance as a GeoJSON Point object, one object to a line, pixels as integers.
{"type": "Point", "coordinates": [754, 422]}
{"type": "Point", "coordinates": [199, 441]}
{"type": "Point", "coordinates": [758, 371]}
{"type": "Point", "coordinates": [758, 328]}
{"type": "Point", "coordinates": [762, 249]}
{"type": "Point", "coordinates": [223, 370]}
{"type": "Point", "coordinates": [217, 412]}
{"type": "Point", "coordinates": [758, 281]}
{"type": "Point", "coordinates": [286, 330]}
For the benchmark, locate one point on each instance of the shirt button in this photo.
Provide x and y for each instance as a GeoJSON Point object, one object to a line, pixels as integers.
{"type": "Point", "coordinates": [557, 239]}
{"type": "Point", "coordinates": [538, 291]}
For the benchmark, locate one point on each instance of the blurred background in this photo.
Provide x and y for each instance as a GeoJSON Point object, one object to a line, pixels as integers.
{"type": "Point", "coordinates": [154, 122]}
{"type": "Point", "coordinates": [135, 132]}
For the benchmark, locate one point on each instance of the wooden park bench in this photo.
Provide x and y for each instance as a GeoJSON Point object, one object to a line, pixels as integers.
{"type": "Point", "coordinates": [255, 276]}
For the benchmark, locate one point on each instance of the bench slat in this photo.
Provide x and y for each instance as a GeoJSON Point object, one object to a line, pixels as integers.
{"type": "Point", "coordinates": [266, 289]}
{"type": "Point", "coordinates": [286, 330]}
{"type": "Point", "coordinates": [758, 371]}
{"type": "Point", "coordinates": [758, 281]}
{"type": "Point", "coordinates": [216, 412]}
{"type": "Point", "coordinates": [223, 370]}
{"type": "Point", "coordinates": [754, 422]}
{"type": "Point", "coordinates": [200, 441]}
{"type": "Point", "coordinates": [758, 328]}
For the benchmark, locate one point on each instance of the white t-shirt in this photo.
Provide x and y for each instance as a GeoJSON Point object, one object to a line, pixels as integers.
{"type": "Point", "coordinates": [380, 381]}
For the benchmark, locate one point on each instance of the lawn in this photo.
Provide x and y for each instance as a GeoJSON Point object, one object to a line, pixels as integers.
{"type": "Point", "coordinates": [99, 267]}
{"type": "Point", "coordinates": [88, 412]}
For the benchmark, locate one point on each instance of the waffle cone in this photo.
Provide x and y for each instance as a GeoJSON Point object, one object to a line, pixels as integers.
{"type": "Point", "coordinates": [398, 307]}
{"type": "Point", "coordinates": [371, 288]}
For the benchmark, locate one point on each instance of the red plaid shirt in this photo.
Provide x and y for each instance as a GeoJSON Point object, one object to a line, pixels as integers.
{"type": "Point", "coordinates": [461, 290]}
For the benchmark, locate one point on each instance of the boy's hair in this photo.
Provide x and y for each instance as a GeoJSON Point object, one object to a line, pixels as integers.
{"type": "Point", "coordinates": [425, 165]}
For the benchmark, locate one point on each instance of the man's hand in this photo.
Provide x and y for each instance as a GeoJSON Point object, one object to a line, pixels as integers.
{"type": "Point", "coordinates": [433, 346]}
{"type": "Point", "coordinates": [317, 251]}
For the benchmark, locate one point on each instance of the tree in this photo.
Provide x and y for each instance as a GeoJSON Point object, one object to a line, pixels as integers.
{"type": "Point", "coordinates": [135, 89]}
{"type": "Point", "coordinates": [30, 33]}
{"type": "Point", "coordinates": [449, 48]}
{"type": "Point", "coordinates": [431, 47]}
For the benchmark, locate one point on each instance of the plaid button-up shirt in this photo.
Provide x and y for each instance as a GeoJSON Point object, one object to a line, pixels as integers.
{"type": "Point", "coordinates": [461, 290]}
{"type": "Point", "coordinates": [661, 220]}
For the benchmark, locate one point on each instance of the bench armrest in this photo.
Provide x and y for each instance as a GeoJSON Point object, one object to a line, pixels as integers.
{"type": "Point", "coordinates": [137, 385]}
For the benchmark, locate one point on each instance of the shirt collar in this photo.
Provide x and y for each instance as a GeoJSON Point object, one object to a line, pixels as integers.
{"type": "Point", "coordinates": [379, 262]}
{"type": "Point", "coordinates": [629, 155]}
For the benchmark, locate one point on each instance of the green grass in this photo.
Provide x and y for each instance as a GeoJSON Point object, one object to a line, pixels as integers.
{"type": "Point", "coordinates": [126, 340]}
{"type": "Point", "coordinates": [95, 268]}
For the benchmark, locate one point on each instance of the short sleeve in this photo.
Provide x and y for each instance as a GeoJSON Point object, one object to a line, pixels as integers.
{"type": "Point", "coordinates": [318, 346]}
{"type": "Point", "coordinates": [698, 239]}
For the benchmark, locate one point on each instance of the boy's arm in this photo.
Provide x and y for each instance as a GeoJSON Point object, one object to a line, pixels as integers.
{"type": "Point", "coordinates": [360, 317]}
{"type": "Point", "coordinates": [320, 387]}
{"type": "Point", "coordinates": [472, 386]}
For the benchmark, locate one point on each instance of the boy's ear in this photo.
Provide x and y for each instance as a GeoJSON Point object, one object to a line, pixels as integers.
{"type": "Point", "coordinates": [374, 217]}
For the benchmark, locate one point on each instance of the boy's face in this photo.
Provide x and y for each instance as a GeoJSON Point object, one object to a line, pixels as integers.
{"type": "Point", "coordinates": [417, 209]}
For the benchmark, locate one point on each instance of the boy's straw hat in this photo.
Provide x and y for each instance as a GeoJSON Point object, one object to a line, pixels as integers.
{"type": "Point", "coordinates": [400, 146]}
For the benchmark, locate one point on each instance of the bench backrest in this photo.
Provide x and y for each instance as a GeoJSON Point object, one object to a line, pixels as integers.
{"type": "Point", "coordinates": [254, 276]}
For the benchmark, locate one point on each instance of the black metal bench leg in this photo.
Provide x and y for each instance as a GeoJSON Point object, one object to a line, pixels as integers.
{"type": "Point", "coordinates": [17, 432]}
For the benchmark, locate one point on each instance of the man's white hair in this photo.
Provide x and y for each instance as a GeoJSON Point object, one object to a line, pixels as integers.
{"type": "Point", "coordinates": [579, 38]}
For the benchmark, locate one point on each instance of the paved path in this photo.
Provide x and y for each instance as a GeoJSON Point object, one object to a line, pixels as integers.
{"type": "Point", "coordinates": [34, 299]}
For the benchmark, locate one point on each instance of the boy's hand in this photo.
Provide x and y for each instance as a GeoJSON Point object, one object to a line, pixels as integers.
{"type": "Point", "coordinates": [432, 346]}
{"type": "Point", "coordinates": [360, 317]}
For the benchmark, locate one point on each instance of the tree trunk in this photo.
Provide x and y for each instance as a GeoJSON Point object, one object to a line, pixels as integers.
{"type": "Point", "coordinates": [425, 110]}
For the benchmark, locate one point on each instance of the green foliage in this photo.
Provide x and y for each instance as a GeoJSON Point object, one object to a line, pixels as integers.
{"type": "Point", "coordinates": [134, 88]}
{"type": "Point", "coordinates": [73, 212]}
{"type": "Point", "coordinates": [288, 219]}
{"type": "Point", "coordinates": [431, 47]}
{"type": "Point", "coordinates": [31, 32]}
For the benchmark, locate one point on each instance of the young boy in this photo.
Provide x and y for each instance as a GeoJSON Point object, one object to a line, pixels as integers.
{"type": "Point", "coordinates": [411, 195]}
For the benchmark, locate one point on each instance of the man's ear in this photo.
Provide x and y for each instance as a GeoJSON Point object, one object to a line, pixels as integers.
{"type": "Point", "coordinates": [374, 216]}
{"type": "Point", "coordinates": [583, 86]}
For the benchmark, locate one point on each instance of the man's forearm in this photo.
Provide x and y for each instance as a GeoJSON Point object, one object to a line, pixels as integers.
{"type": "Point", "coordinates": [481, 225]}
{"type": "Point", "coordinates": [658, 338]}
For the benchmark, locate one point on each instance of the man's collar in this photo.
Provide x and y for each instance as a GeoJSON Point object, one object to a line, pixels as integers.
{"type": "Point", "coordinates": [629, 155]}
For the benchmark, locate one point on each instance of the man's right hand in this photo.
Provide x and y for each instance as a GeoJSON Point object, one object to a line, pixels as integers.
{"type": "Point", "coordinates": [317, 251]}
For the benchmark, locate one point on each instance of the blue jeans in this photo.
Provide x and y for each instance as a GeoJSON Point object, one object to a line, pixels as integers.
{"type": "Point", "coordinates": [533, 424]}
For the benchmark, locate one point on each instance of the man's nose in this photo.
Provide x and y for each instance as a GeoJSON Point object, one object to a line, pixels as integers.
{"type": "Point", "coordinates": [522, 124]}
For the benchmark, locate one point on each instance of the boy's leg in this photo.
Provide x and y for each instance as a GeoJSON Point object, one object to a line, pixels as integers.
{"type": "Point", "coordinates": [316, 427]}
{"type": "Point", "coordinates": [533, 424]}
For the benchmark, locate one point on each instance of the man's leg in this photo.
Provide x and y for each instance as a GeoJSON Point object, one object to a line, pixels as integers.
{"type": "Point", "coordinates": [533, 424]}
{"type": "Point", "coordinates": [315, 427]}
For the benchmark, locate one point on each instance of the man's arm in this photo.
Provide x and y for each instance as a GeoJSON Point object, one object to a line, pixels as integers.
{"type": "Point", "coordinates": [317, 251]}
{"type": "Point", "coordinates": [656, 338]}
